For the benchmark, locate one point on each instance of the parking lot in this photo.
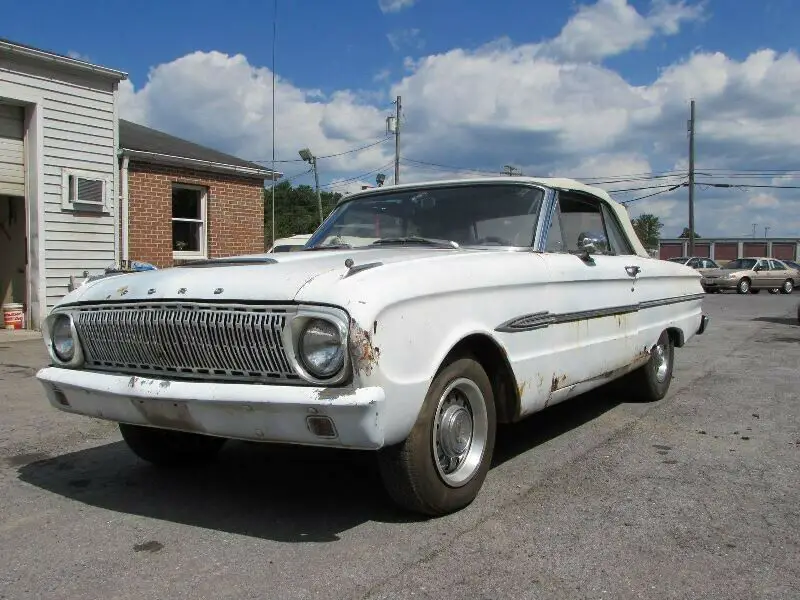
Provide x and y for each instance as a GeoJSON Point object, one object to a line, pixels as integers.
{"type": "Point", "coordinates": [695, 496]}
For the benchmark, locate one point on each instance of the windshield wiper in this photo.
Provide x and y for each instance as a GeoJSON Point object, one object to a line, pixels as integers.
{"type": "Point", "coordinates": [329, 247]}
{"type": "Point", "coordinates": [416, 240]}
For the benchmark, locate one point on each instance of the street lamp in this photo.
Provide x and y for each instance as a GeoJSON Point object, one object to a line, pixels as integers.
{"type": "Point", "coordinates": [306, 155]}
{"type": "Point", "coordinates": [380, 178]}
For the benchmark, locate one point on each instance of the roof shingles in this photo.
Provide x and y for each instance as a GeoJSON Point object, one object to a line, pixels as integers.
{"type": "Point", "coordinates": [133, 136]}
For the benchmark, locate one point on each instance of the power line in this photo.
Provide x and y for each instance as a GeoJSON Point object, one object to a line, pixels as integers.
{"type": "Point", "coordinates": [351, 151]}
{"type": "Point", "coordinates": [673, 188]}
{"type": "Point", "coordinates": [748, 185]}
{"type": "Point", "coordinates": [341, 182]}
{"type": "Point", "coordinates": [647, 187]}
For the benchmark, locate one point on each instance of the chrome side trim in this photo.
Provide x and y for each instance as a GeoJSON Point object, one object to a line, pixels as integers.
{"type": "Point", "coordinates": [540, 320]}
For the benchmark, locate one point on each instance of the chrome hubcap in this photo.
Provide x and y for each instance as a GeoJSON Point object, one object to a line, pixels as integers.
{"type": "Point", "coordinates": [460, 430]}
{"type": "Point", "coordinates": [660, 362]}
{"type": "Point", "coordinates": [745, 286]}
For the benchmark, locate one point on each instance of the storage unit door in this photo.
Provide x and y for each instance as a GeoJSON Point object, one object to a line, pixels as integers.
{"type": "Point", "coordinates": [703, 250]}
{"type": "Point", "coordinates": [12, 151]}
{"type": "Point", "coordinates": [725, 251]}
{"type": "Point", "coordinates": [754, 249]}
{"type": "Point", "coordinates": [668, 251]}
{"type": "Point", "coordinates": [783, 251]}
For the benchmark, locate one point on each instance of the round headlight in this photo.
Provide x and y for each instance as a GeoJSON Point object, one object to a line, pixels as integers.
{"type": "Point", "coordinates": [321, 348]}
{"type": "Point", "coordinates": [63, 342]}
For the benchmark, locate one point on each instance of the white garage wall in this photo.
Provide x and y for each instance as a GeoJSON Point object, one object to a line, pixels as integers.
{"type": "Point", "coordinates": [78, 134]}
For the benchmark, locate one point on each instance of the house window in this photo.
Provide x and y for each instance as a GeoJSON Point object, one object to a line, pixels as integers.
{"type": "Point", "coordinates": [189, 221]}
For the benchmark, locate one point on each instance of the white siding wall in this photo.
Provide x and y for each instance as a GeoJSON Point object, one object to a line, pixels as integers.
{"type": "Point", "coordinates": [79, 132]}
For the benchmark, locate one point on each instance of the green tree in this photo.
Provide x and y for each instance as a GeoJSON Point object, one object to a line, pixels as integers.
{"type": "Point", "coordinates": [296, 210]}
{"type": "Point", "coordinates": [685, 233]}
{"type": "Point", "coordinates": [648, 229]}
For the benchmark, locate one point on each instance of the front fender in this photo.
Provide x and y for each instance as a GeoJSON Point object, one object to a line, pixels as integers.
{"type": "Point", "coordinates": [402, 347]}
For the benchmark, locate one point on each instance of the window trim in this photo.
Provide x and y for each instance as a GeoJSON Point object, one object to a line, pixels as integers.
{"type": "Point", "coordinates": [202, 253]}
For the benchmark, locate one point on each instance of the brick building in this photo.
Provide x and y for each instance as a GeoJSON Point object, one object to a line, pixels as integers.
{"type": "Point", "coordinates": [725, 249]}
{"type": "Point", "coordinates": [182, 201]}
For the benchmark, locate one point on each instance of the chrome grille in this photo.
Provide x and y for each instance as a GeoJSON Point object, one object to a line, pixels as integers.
{"type": "Point", "coordinates": [188, 340]}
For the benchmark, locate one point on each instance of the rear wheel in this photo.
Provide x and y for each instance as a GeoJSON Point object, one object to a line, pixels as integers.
{"type": "Point", "coordinates": [743, 286]}
{"type": "Point", "coordinates": [167, 448]}
{"type": "Point", "coordinates": [787, 287]}
{"type": "Point", "coordinates": [442, 464]}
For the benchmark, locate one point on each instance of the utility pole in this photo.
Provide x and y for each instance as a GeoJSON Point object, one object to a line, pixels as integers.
{"type": "Point", "coordinates": [316, 185]}
{"type": "Point", "coordinates": [397, 142]}
{"type": "Point", "coordinates": [691, 178]}
{"type": "Point", "coordinates": [766, 229]}
{"type": "Point", "coordinates": [754, 230]}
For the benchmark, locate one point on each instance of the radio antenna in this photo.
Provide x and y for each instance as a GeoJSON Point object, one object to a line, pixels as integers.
{"type": "Point", "coordinates": [272, 176]}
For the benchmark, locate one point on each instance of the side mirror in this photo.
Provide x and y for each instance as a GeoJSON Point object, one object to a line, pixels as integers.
{"type": "Point", "coordinates": [592, 243]}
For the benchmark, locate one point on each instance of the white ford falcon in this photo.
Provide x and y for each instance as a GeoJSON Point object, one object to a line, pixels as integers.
{"type": "Point", "coordinates": [416, 319]}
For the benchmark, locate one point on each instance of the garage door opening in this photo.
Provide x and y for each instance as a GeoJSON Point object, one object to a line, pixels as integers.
{"type": "Point", "coordinates": [13, 249]}
{"type": "Point", "coordinates": [13, 217]}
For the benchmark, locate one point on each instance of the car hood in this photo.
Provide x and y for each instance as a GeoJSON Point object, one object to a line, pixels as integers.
{"type": "Point", "coordinates": [274, 277]}
{"type": "Point", "coordinates": [724, 272]}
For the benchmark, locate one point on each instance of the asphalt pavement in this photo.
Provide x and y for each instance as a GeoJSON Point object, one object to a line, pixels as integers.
{"type": "Point", "coordinates": [696, 496]}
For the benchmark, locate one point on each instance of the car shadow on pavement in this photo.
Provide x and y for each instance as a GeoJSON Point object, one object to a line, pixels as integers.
{"type": "Point", "coordinates": [793, 321]}
{"type": "Point", "coordinates": [520, 437]}
{"type": "Point", "coordinates": [281, 493]}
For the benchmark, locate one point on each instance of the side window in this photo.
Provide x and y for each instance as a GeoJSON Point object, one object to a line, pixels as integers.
{"type": "Point", "coordinates": [555, 239]}
{"type": "Point", "coordinates": [694, 263]}
{"type": "Point", "coordinates": [776, 266]}
{"type": "Point", "coordinates": [763, 265]}
{"type": "Point", "coordinates": [616, 236]}
{"type": "Point", "coordinates": [579, 216]}
{"type": "Point", "coordinates": [575, 216]}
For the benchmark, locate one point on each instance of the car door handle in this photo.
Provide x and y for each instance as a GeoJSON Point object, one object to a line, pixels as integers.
{"type": "Point", "coordinates": [632, 270]}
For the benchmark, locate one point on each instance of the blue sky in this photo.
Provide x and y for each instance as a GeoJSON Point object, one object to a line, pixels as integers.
{"type": "Point", "coordinates": [598, 88]}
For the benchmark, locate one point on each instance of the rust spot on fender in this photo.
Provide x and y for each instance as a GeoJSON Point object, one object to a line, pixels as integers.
{"type": "Point", "coordinates": [365, 355]}
{"type": "Point", "coordinates": [521, 388]}
{"type": "Point", "coordinates": [558, 381]}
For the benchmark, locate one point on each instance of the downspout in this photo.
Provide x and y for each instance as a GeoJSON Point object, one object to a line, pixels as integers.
{"type": "Point", "coordinates": [124, 184]}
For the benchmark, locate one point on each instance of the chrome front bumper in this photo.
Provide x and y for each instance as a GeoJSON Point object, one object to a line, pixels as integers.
{"type": "Point", "coordinates": [267, 413]}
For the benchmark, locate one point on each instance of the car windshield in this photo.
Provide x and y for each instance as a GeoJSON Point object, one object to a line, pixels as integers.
{"type": "Point", "coordinates": [741, 263]}
{"type": "Point", "coordinates": [469, 214]}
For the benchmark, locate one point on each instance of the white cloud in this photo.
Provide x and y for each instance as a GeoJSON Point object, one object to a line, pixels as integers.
{"type": "Point", "coordinates": [610, 27]}
{"type": "Point", "coordinates": [392, 6]}
{"type": "Point", "coordinates": [549, 108]}
{"type": "Point", "coordinates": [405, 38]}
{"type": "Point", "coordinates": [763, 201]}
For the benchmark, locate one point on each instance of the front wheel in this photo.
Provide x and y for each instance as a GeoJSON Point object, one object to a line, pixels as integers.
{"type": "Point", "coordinates": [167, 448]}
{"type": "Point", "coordinates": [442, 464]}
{"type": "Point", "coordinates": [787, 287]}
{"type": "Point", "coordinates": [650, 382]}
{"type": "Point", "coordinates": [743, 286]}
